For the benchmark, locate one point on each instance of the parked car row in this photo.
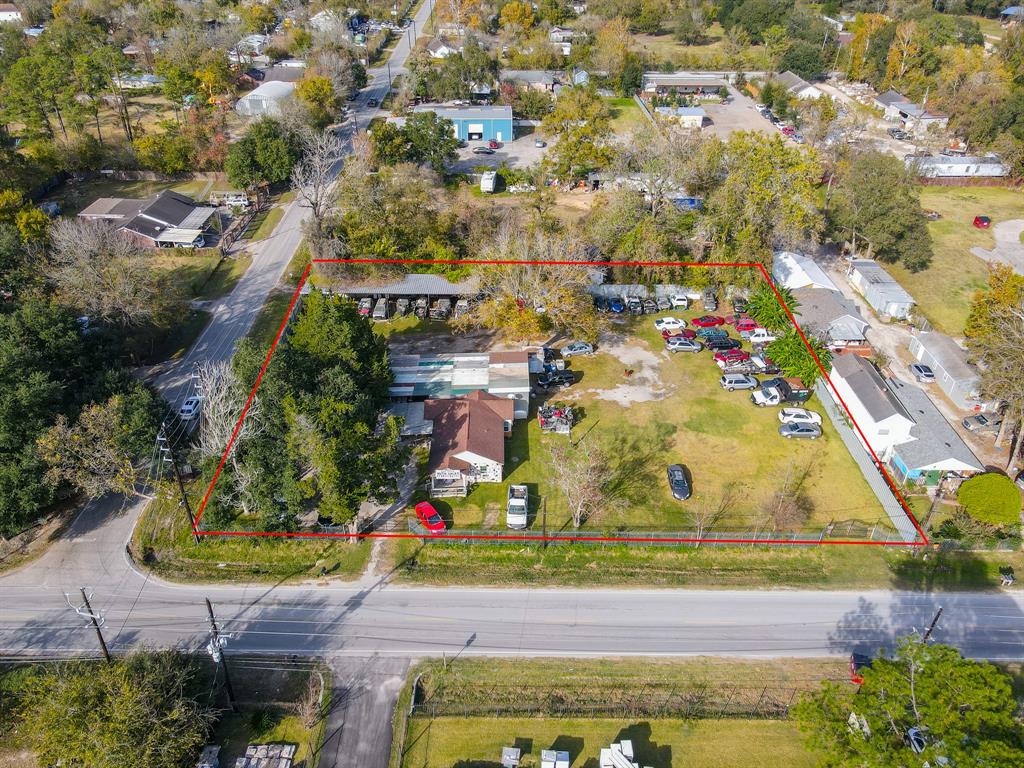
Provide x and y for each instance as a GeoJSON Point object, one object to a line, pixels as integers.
{"type": "Point", "coordinates": [637, 305]}
{"type": "Point", "coordinates": [421, 307]}
{"type": "Point", "coordinates": [787, 130]}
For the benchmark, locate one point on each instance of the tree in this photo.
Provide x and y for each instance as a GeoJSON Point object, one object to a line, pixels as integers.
{"type": "Point", "coordinates": [142, 708]}
{"type": "Point", "coordinates": [710, 511]}
{"type": "Point", "coordinates": [581, 122]}
{"type": "Point", "coordinates": [612, 43]}
{"type": "Point", "coordinates": [991, 498]}
{"type": "Point", "coordinates": [318, 94]}
{"type": "Point", "coordinates": [516, 15]}
{"type": "Point", "coordinates": [653, 13]}
{"type": "Point", "coordinates": [690, 25]}
{"type": "Point", "coordinates": [224, 395]}
{"type": "Point", "coordinates": [804, 59]}
{"type": "Point", "coordinates": [765, 308]}
{"type": "Point", "coordinates": [877, 200]}
{"type": "Point", "coordinates": [169, 152]}
{"type": "Point", "coordinates": [312, 178]}
{"type": "Point", "coordinates": [964, 708]}
{"type": "Point", "coordinates": [794, 358]}
{"type": "Point", "coordinates": [265, 155]}
{"type": "Point", "coordinates": [1005, 290]}
{"type": "Point", "coordinates": [997, 347]}
{"type": "Point", "coordinates": [98, 453]}
{"type": "Point", "coordinates": [431, 140]}
{"type": "Point", "coordinates": [766, 199]}
{"type": "Point", "coordinates": [583, 472]}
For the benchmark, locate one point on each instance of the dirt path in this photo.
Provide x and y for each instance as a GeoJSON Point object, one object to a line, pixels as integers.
{"type": "Point", "coordinates": [644, 384]}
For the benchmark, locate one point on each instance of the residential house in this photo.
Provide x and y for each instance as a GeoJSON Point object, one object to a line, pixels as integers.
{"type": "Point", "coordinates": [503, 374]}
{"type": "Point", "coordinates": [952, 167]}
{"type": "Point", "coordinates": [831, 316]}
{"type": "Point", "coordinates": [167, 220]}
{"type": "Point", "coordinates": [914, 118]}
{"type": "Point", "coordinates": [440, 48]}
{"type": "Point", "coordinates": [467, 442]}
{"type": "Point", "coordinates": [954, 375]}
{"type": "Point", "coordinates": [688, 117]}
{"type": "Point", "coordinates": [688, 83]}
{"type": "Point", "coordinates": [475, 123]}
{"type": "Point", "coordinates": [287, 71]}
{"type": "Point", "coordinates": [794, 270]}
{"type": "Point", "coordinates": [798, 87]}
{"type": "Point", "coordinates": [561, 34]}
{"type": "Point", "coordinates": [9, 14]}
{"type": "Point", "coordinates": [879, 289]}
{"type": "Point", "coordinates": [883, 420]}
{"type": "Point", "coordinates": [934, 448]}
{"type": "Point", "coordinates": [580, 76]}
{"type": "Point", "coordinates": [267, 100]}
{"type": "Point", "coordinates": [1012, 15]}
{"type": "Point", "coordinates": [533, 79]}
{"type": "Point", "coordinates": [579, 7]}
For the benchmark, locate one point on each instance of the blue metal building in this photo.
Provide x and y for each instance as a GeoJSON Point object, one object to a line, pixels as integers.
{"type": "Point", "coordinates": [475, 123]}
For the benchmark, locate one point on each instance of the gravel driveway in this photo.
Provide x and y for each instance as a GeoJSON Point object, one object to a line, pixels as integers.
{"type": "Point", "coordinates": [1008, 248]}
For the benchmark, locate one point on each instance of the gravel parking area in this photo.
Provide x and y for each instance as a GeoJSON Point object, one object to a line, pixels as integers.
{"type": "Point", "coordinates": [518, 153]}
{"type": "Point", "coordinates": [738, 115]}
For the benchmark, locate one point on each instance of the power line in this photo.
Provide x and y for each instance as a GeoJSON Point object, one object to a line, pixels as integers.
{"type": "Point", "coordinates": [97, 621]}
{"type": "Point", "coordinates": [168, 456]}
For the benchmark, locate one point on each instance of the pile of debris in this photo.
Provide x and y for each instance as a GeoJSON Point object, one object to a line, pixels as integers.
{"type": "Point", "coordinates": [557, 418]}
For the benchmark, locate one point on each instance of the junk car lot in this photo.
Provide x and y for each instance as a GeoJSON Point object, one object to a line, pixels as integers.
{"type": "Point", "coordinates": [642, 408]}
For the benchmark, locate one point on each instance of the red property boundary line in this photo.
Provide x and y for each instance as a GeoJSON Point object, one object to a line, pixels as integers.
{"type": "Point", "coordinates": [922, 539]}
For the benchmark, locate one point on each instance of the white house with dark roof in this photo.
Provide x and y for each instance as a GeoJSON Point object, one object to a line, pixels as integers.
{"type": "Point", "coordinates": [798, 87]}
{"type": "Point", "coordinates": [440, 48]}
{"type": "Point", "coordinates": [954, 375]}
{"type": "Point", "coordinates": [934, 447]}
{"type": "Point", "coordinates": [831, 316]}
{"type": "Point", "coordinates": [882, 418]}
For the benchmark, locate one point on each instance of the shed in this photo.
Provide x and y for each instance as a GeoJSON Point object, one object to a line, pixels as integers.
{"type": "Point", "coordinates": [954, 375]}
{"type": "Point", "coordinates": [797, 86]}
{"type": "Point", "coordinates": [934, 447]}
{"type": "Point", "coordinates": [267, 99]}
{"type": "Point", "coordinates": [1013, 13]}
{"type": "Point", "coordinates": [880, 289]}
{"type": "Point", "coordinates": [688, 117]}
{"type": "Point", "coordinates": [794, 270]}
{"type": "Point", "coordinates": [483, 123]}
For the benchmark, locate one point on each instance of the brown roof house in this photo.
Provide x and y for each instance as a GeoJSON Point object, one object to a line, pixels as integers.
{"type": "Point", "coordinates": [467, 445]}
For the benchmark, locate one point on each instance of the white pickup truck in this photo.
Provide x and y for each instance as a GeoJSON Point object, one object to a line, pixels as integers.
{"type": "Point", "coordinates": [759, 336]}
{"type": "Point", "coordinates": [518, 507]}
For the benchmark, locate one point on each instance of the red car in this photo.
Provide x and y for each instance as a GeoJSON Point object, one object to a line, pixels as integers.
{"type": "Point", "coordinates": [709, 321]}
{"type": "Point", "coordinates": [745, 324]}
{"type": "Point", "coordinates": [982, 222]}
{"type": "Point", "coordinates": [858, 663]}
{"type": "Point", "coordinates": [788, 130]}
{"type": "Point", "coordinates": [492, 144]}
{"type": "Point", "coordinates": [429, 517]}
{"type": "Point", "coordinates": [729, 356]}
{"type": "Point", "coordinates": [684, 333]}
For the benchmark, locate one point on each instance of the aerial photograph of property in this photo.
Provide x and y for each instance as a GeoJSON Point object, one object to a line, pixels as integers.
{"type": "Point", "coordinates": [511, 384]}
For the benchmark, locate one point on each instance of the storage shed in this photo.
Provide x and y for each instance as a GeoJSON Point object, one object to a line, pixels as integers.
{"type": "Point", "coordinates": [880, 289]}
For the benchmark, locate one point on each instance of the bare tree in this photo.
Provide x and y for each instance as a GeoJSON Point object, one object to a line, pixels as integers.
{"type": "Point", "coordinates": [583, 472]}
{"type": "Point", "coordinates": [312, 179]}
{"type": "Point", "coordinates": [710, 511]}
{"type": "Point", "coordinates": [223, 399]}
{"type": "Point", "coordinates": [789, 506]}
{"type": "Point", "coordinates": [107, 274]}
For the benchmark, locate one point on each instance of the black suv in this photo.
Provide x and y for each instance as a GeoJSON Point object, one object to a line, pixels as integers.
{"type": "Point", "coordinates": [556, 379]}
{"type": "Point", "coordinates": [720, 345]}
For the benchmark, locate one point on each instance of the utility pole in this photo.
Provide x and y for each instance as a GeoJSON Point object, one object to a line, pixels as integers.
{"type": "Point", "coordinates": [215, 648]}
{"type": "Point", "coordinates": [544, 513]}
{"type": "Point", "coordinates": [85, 609]}
{"type": "Point", "coordinates": [928, 632]}
{"type": "Point", "coordinates": [167, 455]}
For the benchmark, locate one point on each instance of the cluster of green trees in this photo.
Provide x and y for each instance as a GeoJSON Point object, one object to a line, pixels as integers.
{"type": "Point", "coordinates": [316, 432]}
{"type": "Point", "coordinates": [266, 154]}
{"type": "Point", "coordinates": [424, 139]}
{"type": "Point", "coordinates": [455, 77]}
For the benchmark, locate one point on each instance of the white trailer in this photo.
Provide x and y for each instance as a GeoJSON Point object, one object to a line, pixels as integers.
{"type": "Point", "coordinates": [488, 181]}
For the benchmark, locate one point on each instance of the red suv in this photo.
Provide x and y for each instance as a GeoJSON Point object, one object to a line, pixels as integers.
{"type": "Point", "coordinates": [429, 517]}
{"type": "Point", "coordinates": [493, 144]}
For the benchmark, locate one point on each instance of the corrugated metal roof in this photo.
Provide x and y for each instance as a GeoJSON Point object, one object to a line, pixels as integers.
{"type": "Point", "coordinates": [494, 112]}
{"type": "Point", "coordinates": [417, 284]}
{"type": "Point", "coordinates": [935, 441]}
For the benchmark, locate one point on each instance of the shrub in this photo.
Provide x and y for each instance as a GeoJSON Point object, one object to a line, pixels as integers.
{"type": "Point", "coordinates": [991, 498]}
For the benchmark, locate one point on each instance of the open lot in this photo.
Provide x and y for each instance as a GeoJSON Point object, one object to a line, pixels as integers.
{"type": "Point", "coordinates": [672, 410]}
{"type": "Point", "coordinates": [943, 291]}
{"type": "Point", "coordinates": [738, 115]}
{"type": "Point", "coordinates": [627, 116]}
{"type": "Point", "coordinates": [518, 153]}
{"type": "Point", "coordinates": [711, 54]}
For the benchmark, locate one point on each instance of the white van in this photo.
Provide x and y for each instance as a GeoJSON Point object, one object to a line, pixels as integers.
{"type": "Point", "coordinates": [488, 181]}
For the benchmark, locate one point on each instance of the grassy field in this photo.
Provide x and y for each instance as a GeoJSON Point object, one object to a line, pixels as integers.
{"type": "Point", "coordinates": [731, 448]}
{"type": "Point", "coordinates": [626, 115]}
{"type": "Point", "coordinates": [827, 567]}
{"type": "Point", "coordinates": [263, 224]}
{"type": "Point", "coordinates": [271, 725]}
{"type": "Point", "coordinates": [203, 274]}
{"type": "Point", "coordinates": [943, 291]}
{"type": "Point", "coordinates": [457, 741]}
{"type": "Point", "coordinates": [162, 542]}
{"type": "Point", "coordinates": [712, 52]}
{"type": "Point", "coordinates": [74, 197]}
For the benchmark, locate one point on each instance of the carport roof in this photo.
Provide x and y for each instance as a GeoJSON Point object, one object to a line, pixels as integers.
{"type": "Point", "coordinates": [416, 284]}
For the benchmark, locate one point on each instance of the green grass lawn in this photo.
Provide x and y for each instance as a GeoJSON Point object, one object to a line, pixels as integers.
{"type": "Point", "coordinates": [459, 741]}
{"type": "Point", "coordinates": [711, 53]}
{"type": "Point", "coordinates": [943, 291]}
{"type": "Point", "coordinates": [162, 542]}
{"type": "Point", "coordinates": [263, 224]}
{"type": "Point", "coordinates": [74, 197]}
{"type": "Point", "coordinates": [626, 115]}
{"type": "Point", "coordinates": [236, 731]}
{"type": "Point", "coordinates": [991, 28]}
{"type": "Point", "coordinates": [731, 448]}
{"type": "Point", "coordinates": [203, 274]}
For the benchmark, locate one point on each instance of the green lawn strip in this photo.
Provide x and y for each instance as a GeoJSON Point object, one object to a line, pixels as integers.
{"type": "Point", "coordinates": [204, 274]}
{"type": "Point", "coordinates": [410, 324]}
{"type": "Point", "coordinates": [263, 223]}
{"type": "Point", "coordinates": [731, 447]}
{"type": "Point", "coordinates": [458, 741]}
{"type": "Point", "coordinates": [163, 543]}
{"type": "Point", "coordinates": [943, 291]}
{"type": "Point", "coordinates": [626, 115]}
{"type": "Point", "coordinates": [705, 567]}
{"type": "Point", "coordinates": [236, 731]}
